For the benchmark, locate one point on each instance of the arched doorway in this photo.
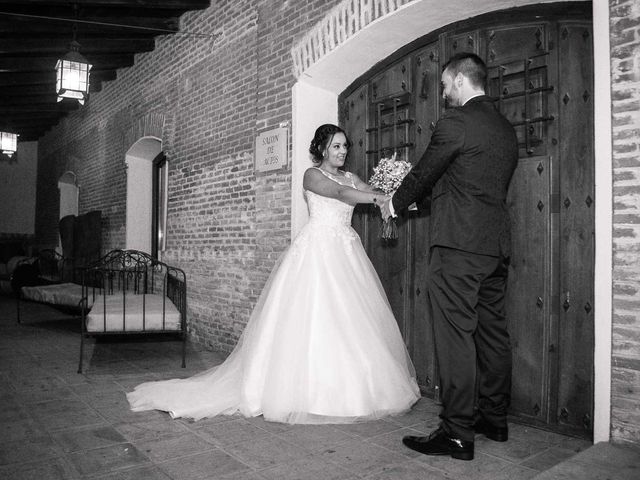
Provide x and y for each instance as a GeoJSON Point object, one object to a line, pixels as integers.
{"type": "Point", "coordinates": [315, 101]}
{"type": "Point", "coordinates": [540, 74]}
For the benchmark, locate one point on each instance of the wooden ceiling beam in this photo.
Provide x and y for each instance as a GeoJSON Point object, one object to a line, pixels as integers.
{"type": "Point", "coordinates": [174, 4]}
{"type": "Point", "coordinates": [58, 46]}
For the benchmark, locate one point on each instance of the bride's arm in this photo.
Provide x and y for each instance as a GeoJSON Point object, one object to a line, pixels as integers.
{"type": "Point", "coordinates": [362, 186]}
{"type": "Point", "coordinates": [316, 182]}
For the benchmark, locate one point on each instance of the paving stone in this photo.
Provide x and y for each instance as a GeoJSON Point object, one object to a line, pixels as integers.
{"type": "Point", "coordinates": [107, 459]}
{"type": "Point", "coordinates": [165, 448]}
{"type": "Point", "coordinates": [76, 440]}
{"type": "Point", "coordinates": [362, 458]}
{"type": "Point", "coordinates": [206, 465]}
{"type": "Point", "coordinates": [308, 468]}
{"type": "Point", "coordinates": [51, 469]}
{"type": "Point", "coordinates": [265, 451]}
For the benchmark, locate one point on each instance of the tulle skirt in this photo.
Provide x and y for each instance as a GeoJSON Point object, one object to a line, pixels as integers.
{"type": "Point", "coordinates": [321, 346]}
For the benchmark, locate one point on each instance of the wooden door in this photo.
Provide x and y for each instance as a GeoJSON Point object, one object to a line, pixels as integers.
{"type": "Point", "coordinates": [540, 74]}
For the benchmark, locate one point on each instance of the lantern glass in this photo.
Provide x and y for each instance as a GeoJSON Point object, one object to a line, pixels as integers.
{"type": "Point", "coordinates": [8, 143]}
{"type": "Point", "coordinates": [72, 77]}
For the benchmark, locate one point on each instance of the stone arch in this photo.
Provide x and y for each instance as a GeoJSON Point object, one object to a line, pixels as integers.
{"type": "Point", "coordinates": [356, 34]}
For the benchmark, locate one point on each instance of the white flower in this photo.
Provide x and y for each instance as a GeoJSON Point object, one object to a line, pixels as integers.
{"type": "Point", "coordinates": [388, 174]}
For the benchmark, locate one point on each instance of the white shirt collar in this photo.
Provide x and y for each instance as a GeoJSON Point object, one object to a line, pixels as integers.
{"type": "Point", "coordinates": [474, 96]}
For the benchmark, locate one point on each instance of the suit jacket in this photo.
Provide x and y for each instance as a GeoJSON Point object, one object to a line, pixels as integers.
{"type": "Point", "coordinates": [466, 169]}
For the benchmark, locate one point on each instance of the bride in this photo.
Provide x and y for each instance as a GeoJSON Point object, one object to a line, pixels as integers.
{"type": "Point", "coordinates": [322, 345]}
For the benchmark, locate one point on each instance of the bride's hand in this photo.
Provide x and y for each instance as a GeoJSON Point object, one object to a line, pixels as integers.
{"type": "Point", "coordinates": [379, 199]}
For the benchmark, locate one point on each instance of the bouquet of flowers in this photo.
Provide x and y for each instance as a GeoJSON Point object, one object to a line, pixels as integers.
{"type": "Point", "coordinates": [387, 176]}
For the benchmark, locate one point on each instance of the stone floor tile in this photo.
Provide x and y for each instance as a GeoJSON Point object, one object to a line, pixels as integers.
{"type": "Point", "coordinates": [166, 448]}
{"type": "Point", "coordinates": [12, 410]}
{"type": "Point", "coordinates": [276, 428]}
{"type": "Point", "coordinates": [107, 459]}
{"type": "Point", "coordinates": [27, 383]}
{"type": "Point", "coordinates": [421, 419]}
{"type": "Point", "coordinates": [368, 429]}
{"type": "Point", "coordinates": [207, 422]}
{"type": "Point", "coordinates": [21, 430]}
{"type": "Point", "coordinates": [614, 456]}
{"type": "Point", "coordinates": [315, 438]}
{"type": "Point", "coordinates": [146, 472]}
{"type": "Point", "coordinates": [38, 395]}
{"type": "Point", "coordinates": [150, 429]}
{"type": "Point", "coordinates": [264, 451]}
{"type": "Point", "coordinates": [408, 471]}
{"type": "Point", "coordinates": [548, 458]}
{"type": "Point", "coordinates": [28, 451]}
{"type": "Point", "coordinates": [51, 469]}
{"type": "Point", "coordinates": [120, 414]}
{"type": "Point", "coordinates": [362, 458]}
{"type": "Point", "coordinates": [483, 467]}
{"type": "Point", "coordinates": [241, 476]}
{"type": "Point", "coordinates": [572, 470]}
{"type": "Point", "coordinates": [208, 465]}
{"type": "Point", "coordinates": [308, 468]}
{"type": "Point", "coordinates": [55, 415]}
{"type": "Point", "coordinates": [512, 472]}
{"type": "Point", "coordinates": [76, 440]}
{"type": "Point", "coordinates": [515, 450]}
{"type": "Point", "coordinates": [393, 441]}
{"type": "Point", "coordinates": [231, 432]}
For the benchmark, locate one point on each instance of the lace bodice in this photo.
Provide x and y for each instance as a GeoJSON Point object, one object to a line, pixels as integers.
{"type": "Point", "coordinates": [330, 211]}
{"type": "Point", "coordinates": [329, 219]}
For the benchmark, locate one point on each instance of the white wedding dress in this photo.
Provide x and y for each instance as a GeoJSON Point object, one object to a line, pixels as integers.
{"type": "Point", "coordinates": [321, 346]}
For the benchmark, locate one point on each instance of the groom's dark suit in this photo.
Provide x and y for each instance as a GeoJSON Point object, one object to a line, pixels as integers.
{"type": "Point", "coordinates": [466, 171]}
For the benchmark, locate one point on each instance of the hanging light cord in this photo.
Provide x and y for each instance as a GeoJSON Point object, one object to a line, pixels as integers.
{"type": "Point", "coordinates": [135, 27]}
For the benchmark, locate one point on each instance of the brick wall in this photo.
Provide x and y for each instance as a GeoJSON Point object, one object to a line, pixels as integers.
{"type": "Point", "coordinates": [226, 225]}
{"type": "Point", "coordinates": [625, 92]}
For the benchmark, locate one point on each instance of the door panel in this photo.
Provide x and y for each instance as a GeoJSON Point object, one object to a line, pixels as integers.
{"type": "Point", "coordinates": [421, 346]}
{"type": "Point", "coordinates": [575, 399]}
{"type": "Point", "coordinates": [353, 113]}
{"type": "Point", "coordinates": [528, 299]}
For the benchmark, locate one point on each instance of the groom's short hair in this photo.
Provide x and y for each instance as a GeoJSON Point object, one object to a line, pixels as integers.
{"type": "Point", "coordinates": [470, 65]}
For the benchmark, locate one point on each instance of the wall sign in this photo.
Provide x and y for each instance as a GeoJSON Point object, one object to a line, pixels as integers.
{"type": "Point", "coordinates": [271, 150]}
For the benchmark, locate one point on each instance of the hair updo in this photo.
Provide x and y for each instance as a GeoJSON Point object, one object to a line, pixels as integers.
{"type": "Point", "coordinates": [322, 138]}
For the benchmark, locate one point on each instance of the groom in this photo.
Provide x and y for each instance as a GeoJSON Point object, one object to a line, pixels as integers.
{"type": "Point", "coordinates": [466, 171]}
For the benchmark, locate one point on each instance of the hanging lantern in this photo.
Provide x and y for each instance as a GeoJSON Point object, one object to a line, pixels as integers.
{"type": "Point", "coordinates": [72, 75]}
{"type": "Point", "coordinates": [8, 143]}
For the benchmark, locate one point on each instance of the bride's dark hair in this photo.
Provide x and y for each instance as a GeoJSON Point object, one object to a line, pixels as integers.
{"type": "Point", "coordinates": [323, 136]}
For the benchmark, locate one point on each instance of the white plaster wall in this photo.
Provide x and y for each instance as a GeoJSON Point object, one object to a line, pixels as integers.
{"type": "Point", "coordinates": [315, 98]}
{"type": "Point", "coordinates": [18, 190]}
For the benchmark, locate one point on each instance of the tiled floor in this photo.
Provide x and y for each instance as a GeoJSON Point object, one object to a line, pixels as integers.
{"type": "Point", "coordinates": [58, 424]}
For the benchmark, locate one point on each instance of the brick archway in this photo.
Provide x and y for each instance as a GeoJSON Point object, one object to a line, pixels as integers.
{"type": "Point", "coordinates": [326, 62]}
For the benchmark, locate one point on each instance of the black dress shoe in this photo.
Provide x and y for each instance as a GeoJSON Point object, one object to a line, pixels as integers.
{"type": "Point", "coordinates": [439, 443]}
{"type": "Point", "coordinates": [497, 434]}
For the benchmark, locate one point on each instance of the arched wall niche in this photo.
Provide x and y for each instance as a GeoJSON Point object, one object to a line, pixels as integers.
{"type": "Point", "coordinates": [328, 68]}
{"type": "Point", "coordinates": [139, 161]}
{"type": "Point", "coordinates": [69, 191]}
